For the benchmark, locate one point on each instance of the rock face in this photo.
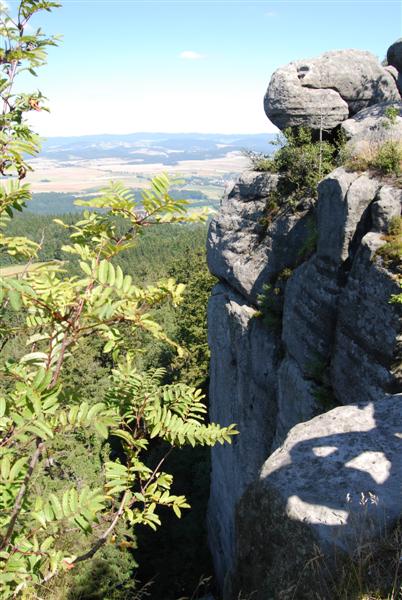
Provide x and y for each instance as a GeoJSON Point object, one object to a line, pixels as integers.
{"type": "Point", "coordinates": [243, 383]}
{"type": "Point", "coordinates": [292, 480]}
{"type": "Point", "coordinates": [339, 340]}
{"type": "Point", "coordinates": [325, 91]}
{"type": "Point", "coordinates": [243, 249]}
{"type": "Point", "coordinates": [316, 392]}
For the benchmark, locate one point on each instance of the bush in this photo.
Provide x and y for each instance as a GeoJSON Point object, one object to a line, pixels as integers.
{"type": "Point", "coordinates": [389, 158]}
{"type": "Point", "coordinates": [301, 162]}
{"type": "Point", "coordinates": [381, 155]}
{"type": "Point", "coordinates": [385, 159]}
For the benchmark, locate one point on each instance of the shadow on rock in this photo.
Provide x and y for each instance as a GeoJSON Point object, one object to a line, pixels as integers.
{"type": "Point", "coordinates": [333, 488]}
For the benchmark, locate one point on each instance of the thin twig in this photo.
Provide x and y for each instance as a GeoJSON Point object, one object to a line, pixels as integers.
{"type": "Point", "coordinates": [22, 491]}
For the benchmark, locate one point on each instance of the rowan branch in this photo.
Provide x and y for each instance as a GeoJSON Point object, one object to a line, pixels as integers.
{"type": "Point", "coordinates": [103, 538]}
{"type": "Point", "coordinates": [22, 491]}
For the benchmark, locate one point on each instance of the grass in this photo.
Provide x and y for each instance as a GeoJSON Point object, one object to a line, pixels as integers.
{"type": "Point", "coordinates": [385, 159]}
{"type": "Point", "coordinates": [373, 573]}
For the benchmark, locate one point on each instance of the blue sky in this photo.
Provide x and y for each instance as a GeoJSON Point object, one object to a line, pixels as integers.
{"type": "Point", "coordinates": [180, 66]}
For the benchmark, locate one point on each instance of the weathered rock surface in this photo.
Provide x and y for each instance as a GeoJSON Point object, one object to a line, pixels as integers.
{"type": "Point", "coordinates": [341, 339]}
{"type": "Point", "coordinates": [324, 91]}
{"type": "Point", "coordinates": [296, 399]}
{"type": "Point", "coordinates": [309, 315]}
{"type": "Point", "coordinates": [334, 485]}
{"type": "Point", "coordinates": [394, 55]}
{"type": "Point", "coordinates": [342, 213]}
{"type": "Point", "coordinates": [386, 207]}
{"type": "Point", "coordinates": [371, 127]}
{"type": "Point", "coordinates": [367, 329]}
{"type": "Point", "coordinates": [243, 387]}
{"type": "Point", "coordinates": [242, 249]}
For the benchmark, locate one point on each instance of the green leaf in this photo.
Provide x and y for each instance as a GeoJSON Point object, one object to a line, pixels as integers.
{"type": "Point", "coordinates": [119, 278]}
{"type": "Point", "coordinates": [15, 300]}
{"type": "Point", "coordinates": [5, 467]}
{"type": "Point", "coordinates": [73, 500]}
{"type": "Point", "coordinates": [86, 268]}
{"type": "Point", "coordinates": [56, 506]}
{"type": "Point", "coordinates": [103, 271]}
{"type": "Point", "coordinates": [17, 468]}
{"type": "Point", "coordinates": [83, 524]}
{"type": "Point", "coordinates": [35, 358]}
{"type": "Point", "coordinates": [102, 429]}
{"type": "Point", "coordinates": [111, 275]}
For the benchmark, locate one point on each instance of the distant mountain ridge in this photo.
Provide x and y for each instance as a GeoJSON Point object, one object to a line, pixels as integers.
{"type": "Point", "coordinates": [165, 148]}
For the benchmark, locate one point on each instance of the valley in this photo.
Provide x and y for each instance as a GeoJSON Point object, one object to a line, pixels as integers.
{"type": "Point", "coordinates": [77, 167]}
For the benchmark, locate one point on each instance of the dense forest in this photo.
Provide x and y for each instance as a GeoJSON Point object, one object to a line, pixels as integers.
{"type": "Point", "coordinates": [174, 559]}
{"type": "Point", "coordinates": [50, 203]}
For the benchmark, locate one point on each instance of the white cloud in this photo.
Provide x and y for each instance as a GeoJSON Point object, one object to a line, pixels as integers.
{"type": "Point", "coordinates": [270, 13]}
{"type": "Point", "coordinates": [191, 55]}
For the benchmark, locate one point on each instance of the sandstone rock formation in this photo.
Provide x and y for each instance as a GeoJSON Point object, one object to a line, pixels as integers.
{"type": "Point", "coordinates": [337, 318]}
{"type": "Point", "coordinates": [243, 249]}
{"type": "Point", "coordinates": [324, 91]}
{"type": "Point", "coordinates": [302, 474]}
{"type": "Point", "coordinates": [371, 127]}
{"type": "Point", "coordinates": [243, 364]}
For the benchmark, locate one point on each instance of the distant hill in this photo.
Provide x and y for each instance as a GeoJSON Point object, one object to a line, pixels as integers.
{"type": "Point", "coordinates": [146, 148]}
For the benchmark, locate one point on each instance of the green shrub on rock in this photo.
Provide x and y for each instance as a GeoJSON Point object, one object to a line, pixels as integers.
{"type": "Point", "coordinates": [389, 158]}
{"type": "Point", "coordinates": [301, 162]}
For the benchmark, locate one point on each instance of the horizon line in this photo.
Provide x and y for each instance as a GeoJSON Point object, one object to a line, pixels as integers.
{"type": "Point", "coordinates": [183, 133]}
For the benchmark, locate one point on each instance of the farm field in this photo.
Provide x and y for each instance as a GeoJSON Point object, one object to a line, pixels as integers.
{"type": "Point", "coordinates": [87, 175]}
{"type": "Point", "coordinates": [205, 164]}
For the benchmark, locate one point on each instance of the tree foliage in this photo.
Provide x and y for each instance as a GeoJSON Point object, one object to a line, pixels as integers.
{"type": "Point", "coordinates": [301, 162]}
{"type": "Point", "coordinates": [45, 531]}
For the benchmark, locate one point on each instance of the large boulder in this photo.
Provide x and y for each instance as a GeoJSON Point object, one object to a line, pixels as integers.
{"type": "Point", "coordinates": [331, 489]}
{"type": "Point", "coordinates": [322, 92]}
